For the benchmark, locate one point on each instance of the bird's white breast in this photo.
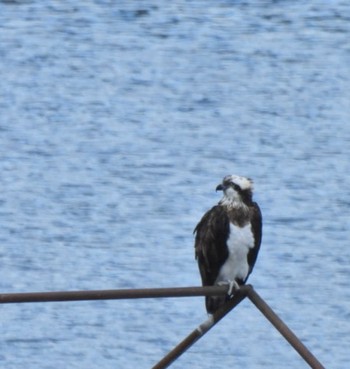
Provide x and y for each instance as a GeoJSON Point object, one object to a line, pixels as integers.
{"type": "Point", "coordinates": [239, 243]}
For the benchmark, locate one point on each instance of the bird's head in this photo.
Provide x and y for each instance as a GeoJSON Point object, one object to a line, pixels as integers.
{"type": "Point", "coordinates": [236, 190]}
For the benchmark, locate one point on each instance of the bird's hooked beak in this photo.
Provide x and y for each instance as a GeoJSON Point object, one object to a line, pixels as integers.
{"type": "Point", "coordinates": [220, 187]}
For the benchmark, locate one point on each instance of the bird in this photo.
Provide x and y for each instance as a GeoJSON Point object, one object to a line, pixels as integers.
{"type": "Point", "coordinates": [228, 238]}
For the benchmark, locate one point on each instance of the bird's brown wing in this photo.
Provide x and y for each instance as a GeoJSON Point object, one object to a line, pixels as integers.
{"type": "Point", "coordinates": [210, 243]}
{"type": "Point", "coordinates": [256, 222]}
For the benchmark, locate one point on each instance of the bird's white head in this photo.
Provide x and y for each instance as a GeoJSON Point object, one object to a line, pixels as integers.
{"type": "Point", "coordinates": [237, 190]}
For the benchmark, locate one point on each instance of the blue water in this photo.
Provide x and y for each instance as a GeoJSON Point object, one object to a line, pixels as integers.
{"type": "Point", "coordinates": [117, 121]}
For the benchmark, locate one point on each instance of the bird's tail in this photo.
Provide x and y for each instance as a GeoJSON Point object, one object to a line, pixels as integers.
{"type": "Point", "coordinates": [213, 303]}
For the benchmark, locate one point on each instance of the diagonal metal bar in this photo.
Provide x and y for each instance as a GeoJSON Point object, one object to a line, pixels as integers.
{"type": "Point", "coordinates": [199, 332]}
{"type": "Point", "coordinates": [6, 298]}
{"type": "Point", "coordinates": [283, 329]}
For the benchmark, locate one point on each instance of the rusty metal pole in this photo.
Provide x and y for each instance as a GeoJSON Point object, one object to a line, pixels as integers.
{"type": "Point", "coordinates": [199, 332]}
{"type": "Point", "coordinates": [283, 329]}
{"type": "Point", "coordinates": [7, 298]}
{"type": "Point", "coordinates": [245, 291]}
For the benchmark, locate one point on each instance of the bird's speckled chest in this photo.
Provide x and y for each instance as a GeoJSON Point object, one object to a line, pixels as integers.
{"type": "Point", "coordinates": [239, 216]}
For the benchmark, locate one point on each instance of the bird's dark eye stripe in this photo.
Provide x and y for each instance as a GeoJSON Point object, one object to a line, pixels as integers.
{"type": "Point", "coordinates": [236, 187]}
{"type": "Point", "coordinates": [232, 184]}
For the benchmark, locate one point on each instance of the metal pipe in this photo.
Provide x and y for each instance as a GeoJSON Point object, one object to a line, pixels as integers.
{"type": "Point", "coordinates": [283, 329]}
{"type": "Point", "coordinates": [245, 291]}
{"type": "Point", "coordinates": [200, 331]}
{"type": "Point", "coordinates": [6, 298]}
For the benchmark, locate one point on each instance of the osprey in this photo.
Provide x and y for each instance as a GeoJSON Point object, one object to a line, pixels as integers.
{"type": "Point", "coordinates": [227, 239]}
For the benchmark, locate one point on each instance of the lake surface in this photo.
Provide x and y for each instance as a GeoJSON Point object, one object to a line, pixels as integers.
{"type": "Point", "coordinates": [117, 121]}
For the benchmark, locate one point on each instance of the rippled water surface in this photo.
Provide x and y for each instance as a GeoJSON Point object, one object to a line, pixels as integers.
{"type": "Point", "coordinates": [117, 121]}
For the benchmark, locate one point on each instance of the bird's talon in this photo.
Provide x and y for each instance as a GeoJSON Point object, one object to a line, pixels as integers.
{"type": "Point", "coordinates": [233, 286]}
